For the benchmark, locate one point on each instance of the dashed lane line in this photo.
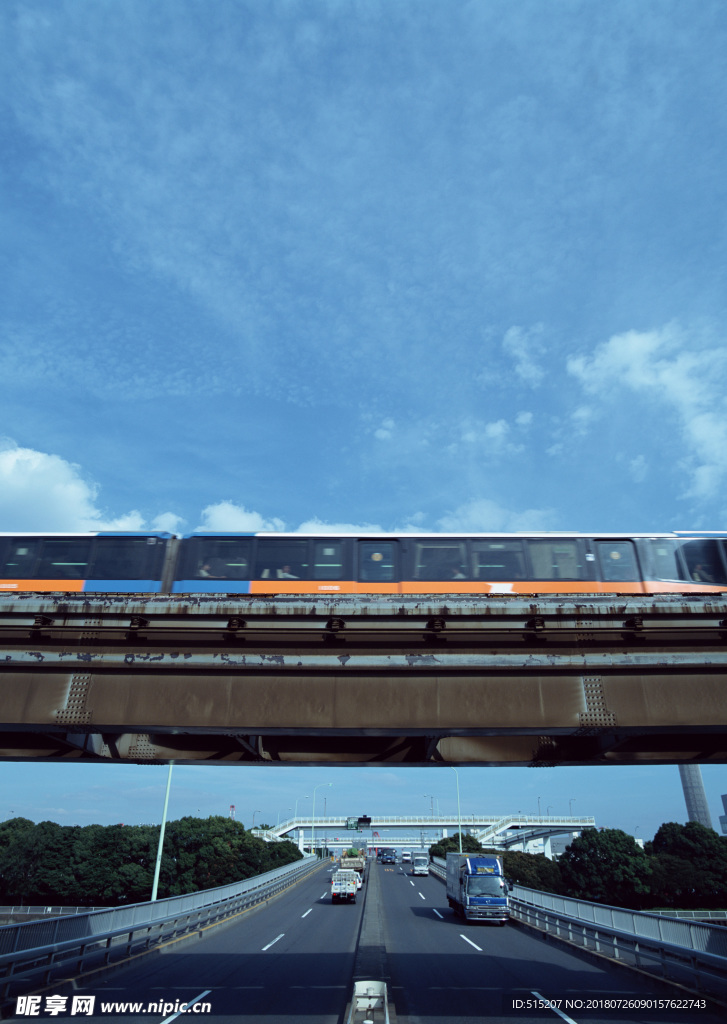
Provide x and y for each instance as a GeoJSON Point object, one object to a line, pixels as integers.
{"type": "Point", "coordinates": [191, 1003]}
{"type": "Point", "coordinates": [550, 1006]}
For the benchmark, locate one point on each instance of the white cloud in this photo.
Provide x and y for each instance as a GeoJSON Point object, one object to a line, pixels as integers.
{"type": "Point", "coordinates": [493, 438]}
{"type": "Point", "coordinates": [167, 522]}
{"type": "Point", "coordinates": [526, 348]}
{"type": "Point", "coordinates": [45, 493]}
{"type": "Point", "coordinates": [484, 515]}
{"type": "Point", "coordinates": [665, 367]}
{"type": "Point", "coordinates": [385, 431]}
{"type": "Point", "coordinates": [582, 419]}
{"type": "Point", "coordinates": [638, 469]}
{"type": "Point", "coordinates": [524, 419]}
{"type": "Point", "coordinates": [40, 491]}
{"type": "Point", "coordinates": [225, 516]}
{"type": "Point", "coordinates": [316, 525]}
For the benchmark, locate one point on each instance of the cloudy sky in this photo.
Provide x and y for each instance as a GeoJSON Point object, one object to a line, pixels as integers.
{"type": "Point", "coordinates": [376, 263]}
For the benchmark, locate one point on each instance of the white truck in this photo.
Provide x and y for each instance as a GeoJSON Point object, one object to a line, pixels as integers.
{"type": "Point", "coordinates": [344, 886]}
{"type": "Point", "coordinates": [420, 864]}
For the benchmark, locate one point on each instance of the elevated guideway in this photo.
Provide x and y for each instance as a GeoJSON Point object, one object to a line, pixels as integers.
{"type": "Point", "coordinates": [349, 681]}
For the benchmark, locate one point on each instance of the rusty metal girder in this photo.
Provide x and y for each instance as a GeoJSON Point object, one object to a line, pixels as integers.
{"type": "Point", "coordinates": [491, 681]}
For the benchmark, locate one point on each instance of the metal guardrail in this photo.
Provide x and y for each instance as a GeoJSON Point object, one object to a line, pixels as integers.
{"type": "Point", "coordinates": [34, 950]}
{"type": "Point", "coordinates": [47, 911]}
{"type": "Point", "coordinates": [689, 953]}
{"type": "Point", "coordinates": [685, 951]}
{"type": "Point", "coordinates": [694, 915]}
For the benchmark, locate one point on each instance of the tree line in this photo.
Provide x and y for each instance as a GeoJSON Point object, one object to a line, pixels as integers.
{"type": "Point", "coordinates": [110, 865]}
{"type": "Point", "coordinates": [684, 867]}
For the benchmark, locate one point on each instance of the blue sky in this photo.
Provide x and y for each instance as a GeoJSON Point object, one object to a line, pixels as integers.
{"type": "Point", "coordinates": [384, 263]}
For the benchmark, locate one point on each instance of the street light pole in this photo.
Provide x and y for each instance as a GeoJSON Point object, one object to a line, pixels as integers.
{"type": "Point", "coordinates": [313, 820]}
{"type": "Point", "coordinates": [570, 805]}
{"type": "Point", "coordinates": [157, 866]}
{"type": "Point", "coordinates": [459, 815]}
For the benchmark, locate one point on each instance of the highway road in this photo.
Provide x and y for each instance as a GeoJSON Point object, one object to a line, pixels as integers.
{"type": "Point", "coordinates": [446, 971]}
{"type": "Point", "coordinates": [291, 962]}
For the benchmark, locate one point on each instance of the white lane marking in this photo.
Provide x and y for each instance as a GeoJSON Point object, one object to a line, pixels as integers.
{"type": "Point", "coordinates": [410, 882]}
{"type": "Point", "coordinates": [423, 897]}
{"type": "Point", "coordinates": [175, 1015]}
{"type": "Point", "coordinates": [306, 913]}
{"type": "Point", "coordinates": [324, 895]}
{"type": "Point", "coordinates": [470, 941]}
{"type": "Point", "coordinates": [553, 1008]}
{"type": "Point", "coordinates": [438, 914]}
{"type": "Point", "coordinates": [273, 942]}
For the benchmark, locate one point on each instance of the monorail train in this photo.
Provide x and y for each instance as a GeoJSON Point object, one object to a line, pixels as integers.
{"type": "Point", "coordinates": [292, 563]}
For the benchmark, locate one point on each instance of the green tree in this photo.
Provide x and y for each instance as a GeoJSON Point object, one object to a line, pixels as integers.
{"type": "Point", "coordinates": [606, 866]}
{"type": "Point", "coordinates": [689, 864]}
{"type": "Point", "coordinates": [114, 865]}
{"type": "Point", "coordinates": [451, 845]}
{"type": "Point", "coordinates": [533, 870]}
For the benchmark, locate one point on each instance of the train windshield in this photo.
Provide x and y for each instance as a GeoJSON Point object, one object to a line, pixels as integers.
{"type": "Point", "coordinates": [696, 561]}
{"type": "Point", "coordinates": [82, 558]}
{"type": "Point", "coordinates": [126, 558]}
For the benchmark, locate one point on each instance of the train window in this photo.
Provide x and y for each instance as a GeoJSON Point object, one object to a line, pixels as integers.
{"type": "Point", "coordinates": [327, 560]}
{"type": "Point", "coordinates": [498, 560]}
{"type": "Point", "coordinates": [220, 558]}
{"type": "Point", "coordinates": [64, 559]}
{"type": "Point", "coordinates": [703, 561]}
{"type": "Point", "coordinates": [440, 560]}
{"type": "Point", "coordinates": [125, 558]}
{"type": "Point", "coordinates": [377, 561]}
{"type": "Point", "coordinates": [555, 560]}
{"type": "Point", "coordinates": [618, 561]}
{"type": "Point", "coordinates": [281, 560]}
{"type": "Point", "coordinates": [664, 558]}
{"type": "Point", "coordinates": [20, 558]}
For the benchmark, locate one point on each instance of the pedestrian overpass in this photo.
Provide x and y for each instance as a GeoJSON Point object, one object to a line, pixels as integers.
{"type": "Point", "coordinates": [510, 831]}
{"type": "Point", "coordinates": [492, 680]}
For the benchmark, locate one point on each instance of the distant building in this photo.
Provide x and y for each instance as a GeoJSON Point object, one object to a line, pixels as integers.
{"type": "Point", "coordinates": [696, 798]}
{"type": "Point", "coordinates": [723, 817]}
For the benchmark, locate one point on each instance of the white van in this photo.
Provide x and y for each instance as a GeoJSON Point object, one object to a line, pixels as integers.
{"type": "Point", "coordinates": [406, 856]}
{"type": "Point", "coordinates": [420, 864]}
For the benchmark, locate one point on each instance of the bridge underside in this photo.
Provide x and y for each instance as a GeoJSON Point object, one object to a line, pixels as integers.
{"type": "Point", "coordinates": [487, 682]}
